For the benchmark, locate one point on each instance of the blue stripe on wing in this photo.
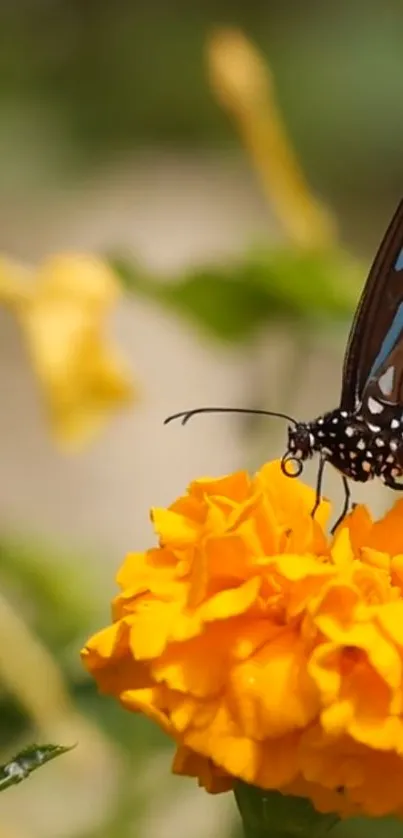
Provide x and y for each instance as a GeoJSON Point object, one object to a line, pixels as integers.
{"type": "Point", "coordinates": [392, 336]}
{"type": "Point", "coordinates": [399, 261]}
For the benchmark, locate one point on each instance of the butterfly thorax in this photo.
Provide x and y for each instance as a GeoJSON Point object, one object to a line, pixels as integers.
{"type": "Point", "coordinates": [357, 448]}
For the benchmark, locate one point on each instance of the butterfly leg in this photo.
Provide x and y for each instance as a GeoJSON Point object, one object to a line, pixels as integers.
{"type": "Point", "coordinates": [347, 496]}
{"type": "Point", "coordinates": [319, 481]}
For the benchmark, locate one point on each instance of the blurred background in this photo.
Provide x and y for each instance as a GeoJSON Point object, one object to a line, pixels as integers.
{"type": "Point", "coordinates": [147, 135]}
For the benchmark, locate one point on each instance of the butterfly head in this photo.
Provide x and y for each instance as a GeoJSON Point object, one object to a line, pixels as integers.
{"type": "Point", "coordinates": [301, 439]}
{"type": "Point", "coordinates": [300, 447]}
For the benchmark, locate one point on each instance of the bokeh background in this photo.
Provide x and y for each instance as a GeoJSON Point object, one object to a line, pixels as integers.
{"type": "Point", "coordinates": [114, 142]}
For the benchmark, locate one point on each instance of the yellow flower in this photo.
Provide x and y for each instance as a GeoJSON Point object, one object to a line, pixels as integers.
{"type": "Point", "coordinates": [267, 650]}
{"type": "Point", "coordinates": [243, 84]}
{"type": "Point", "coordinates": [62, 308]}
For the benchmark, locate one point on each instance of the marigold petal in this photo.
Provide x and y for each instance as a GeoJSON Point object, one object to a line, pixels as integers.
{"type": "Point", "coordinates": [226, 558]}
{"type": "Point", "coordinates": [371, 780]}
{"type": "Point", "coordinates": [342, 553]}
{"type": "Point", "coordinates": [238, 755]}
{"type": "Point", "coordinates": [117, 672]}
{"type": "Point", "coordinates": [279, 764]}
{"type": "Point", "coordinates": [324, 668]}
{"type": "Point", "coordinates": [106, 644]}
{"type": "Point", "coordinates": [297, 567]}
{"type": "Point", "coordinates": [187, 711]}
{"type": "Point", "coordinates": [235, 487]}
{"type": "Point", "coordinates": [213, 779]}
{"type": "Point", "coordinates": [172, 528]}
{"type": "Point", "coordinates": [268, 532]}
{"type": "Point", "coordinates": [387, 534]}
{"type": "Point", "coordinates": [390, 618]}
{"type": "Point", "coordinates": [149, 566]}
{"type": "Point", "coordinates": [383, 657]}
{"type": "Point", "coordinates": [375, 558]}
{"type": "Point", "coordinates": [232, 602]}
{"type": "Point", "coordinates": [396, 566]}
{"type": "Point", "coordinates": [290, 498]}
{"type": "Point", "coordinates": [191, 668]}
{"type": "Point", "coordinates": [251, 635]}
{"type": "Point", "coordinates": [153, 626]}
{"type": "Point", "coordinates": [383, 734]}
{"type": "Point", "coordinates": [339, 599]}
{"type": "Point", "coordinates": [272, 694]}
{"type": "Point", "coordinates": [358, 523]}
{"type": "Point", "coordinates": [151, 702]}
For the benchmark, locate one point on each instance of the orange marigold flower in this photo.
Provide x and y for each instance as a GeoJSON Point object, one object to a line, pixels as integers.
{"type": "Point", "coordinates": [269, 651]}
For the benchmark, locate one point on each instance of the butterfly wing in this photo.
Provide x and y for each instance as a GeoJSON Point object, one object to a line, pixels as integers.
{"type": "Point", "coordinates": [376, 338]}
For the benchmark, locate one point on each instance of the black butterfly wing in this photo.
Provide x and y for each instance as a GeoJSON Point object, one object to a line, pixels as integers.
{"type": "Point", "coordinates": [377, 329]}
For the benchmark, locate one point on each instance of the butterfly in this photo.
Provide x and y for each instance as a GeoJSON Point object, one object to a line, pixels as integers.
{"type": "Point", "coordinates": [363, 437]}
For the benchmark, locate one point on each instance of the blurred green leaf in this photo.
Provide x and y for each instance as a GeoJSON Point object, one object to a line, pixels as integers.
{"type": "Point", "coordinates": [224, 305]}
{"type": "Point", "coordinates": [234, 301]}
{"type": "Point", "coordinates": [15, 725]}
{"type": "Point", "coordinates": [307, 284]}
{"type": "Point", "coordinates": [211, 297]}
{"type": "Point", "coordinates": [27, 761]}
{"type": "Point", "coordinates": [136, 734]}
{"type": "Point", "coordinates": [47, 581]}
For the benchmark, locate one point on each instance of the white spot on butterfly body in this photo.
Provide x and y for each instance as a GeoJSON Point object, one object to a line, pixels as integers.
{"type": "Point", "coordinates": [379, 442]}
{"type": "Point", "coordinates": [349, 431]}
{"type": "Point", "coordinates": [366, 466]}
{"type": "Point", "coordinates": [390, 459]}
{"type": "Point", "coordinates": [393, 445]}
{"type": "Point", "coordinates": [386, 381]}
{"type": "Point", "coordinates": [312, 439]}
{"type": "Point", "coordinates": [394, 423]}
{"type": "Point", "coordinates": [374, 406]}
{"type": "Point", "coordinates": [361, 444]}
{"type": "Point", "coordinates": [344, 414]}
{"type": "Point", "coordinates": [335, 420]}
{"type": "Point", "coordinates": [374, 428]}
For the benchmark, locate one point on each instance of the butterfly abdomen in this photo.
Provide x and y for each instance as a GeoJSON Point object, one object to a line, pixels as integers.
{"type": "Point", "coordinates": [347, 443]}
{"type": "Point", "coordinates": [357, 448]}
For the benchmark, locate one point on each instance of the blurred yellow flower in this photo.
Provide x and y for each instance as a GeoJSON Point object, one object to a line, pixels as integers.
{"type": "Point", "coordinates": [242, 82]}
{"type": "Point", "coordinates": [268, 651]}
{"type": "Point", "coordinates": [62, 309]}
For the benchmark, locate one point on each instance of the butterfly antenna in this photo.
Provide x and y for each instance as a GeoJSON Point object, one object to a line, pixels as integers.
{"type": "Point", "coordinates": [185, 415]}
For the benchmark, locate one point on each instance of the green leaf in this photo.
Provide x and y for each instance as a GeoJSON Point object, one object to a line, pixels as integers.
{"type": "Point", "coordinates": [215, 298]}
{"type": "Point", "coordinates": [269, 814]}
{"type": "Point", "coordinates": [52, 580]}
{"type": "Point", "coordinates": [27, 761]}
{"type": "Point", "coordinates": [307, 284]}
{"type": "Point", "coordinates": [227, 307]}
{"type": "Point", "coordinates": [234, 301]}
